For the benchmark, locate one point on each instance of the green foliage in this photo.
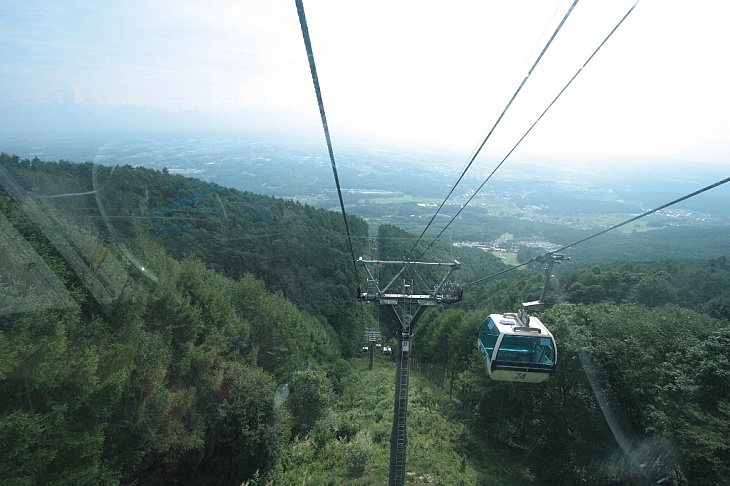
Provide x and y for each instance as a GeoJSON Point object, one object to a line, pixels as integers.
{"type": "Point", "coordinates": [57, 394]}
{"type": "Point", "coordinates": [311, 396]}
{"type": "Point", "coordinates": [251, 431]}
{"type": "Point", "coordinates": [650, 381]}
{"type": "Point", "coordinates": [351, 444]}
{"type": "Point", "coordinates": [294, 249]}
{"type": "Point", "coordinates": [444, 339]}
{"type": "Point", "coordinates": [698, 285]}
{"type": "Point", "coordinates": [175, 380]}
{"type": "Point", "coordinates": [691, 402]}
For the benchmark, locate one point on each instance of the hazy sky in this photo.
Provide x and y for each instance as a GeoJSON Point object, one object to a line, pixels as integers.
{"type": "Point", "coordinates": [423, 73]}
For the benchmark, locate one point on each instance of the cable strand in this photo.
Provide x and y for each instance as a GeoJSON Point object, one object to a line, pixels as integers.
{"type": "Point", "coordinates": [630, 220]}
{"type": "Point", "coordinates": [532, 126]}
{"type": "Point", "coordinates": [496, 123]}
{"type": "Point", "coordinates": [318, 91]}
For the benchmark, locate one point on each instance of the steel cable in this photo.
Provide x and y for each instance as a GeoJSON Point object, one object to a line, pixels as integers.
{"type": "Point", "coordinates": [318, 91]}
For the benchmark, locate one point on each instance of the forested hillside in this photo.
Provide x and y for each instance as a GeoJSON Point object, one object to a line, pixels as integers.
{"type": "Point", "coordinates": [165, 371]}
{"type": "Point", "coordinates": [156, 329]}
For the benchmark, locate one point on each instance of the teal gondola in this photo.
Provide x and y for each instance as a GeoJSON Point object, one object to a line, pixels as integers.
{"type": "Point", "coordinates": [517, 347]}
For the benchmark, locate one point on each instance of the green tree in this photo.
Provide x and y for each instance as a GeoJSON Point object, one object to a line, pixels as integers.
{"type": "Point", "coordinates": [251, 431]}
{"type": "Point", "coordinates": [652, 291]}
{"type": "Point", "coordinates": [310, 399]}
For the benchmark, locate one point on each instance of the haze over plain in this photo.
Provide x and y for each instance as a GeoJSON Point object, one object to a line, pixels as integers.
{"type": "Point", "coordinates": [417, 74]}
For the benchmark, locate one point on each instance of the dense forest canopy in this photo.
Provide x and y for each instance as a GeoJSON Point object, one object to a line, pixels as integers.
{"type": "Point", "coordinates": [157, 329]}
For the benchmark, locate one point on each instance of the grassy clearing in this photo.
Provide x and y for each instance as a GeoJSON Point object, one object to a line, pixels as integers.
{"type": "Point", "coordinates": [507, 258]}
{"type": "Point", "coordinates": [351, 445]}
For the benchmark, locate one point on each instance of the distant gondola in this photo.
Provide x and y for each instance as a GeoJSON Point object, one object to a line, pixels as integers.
{"type": "Point", "coordinates": [517, 347]}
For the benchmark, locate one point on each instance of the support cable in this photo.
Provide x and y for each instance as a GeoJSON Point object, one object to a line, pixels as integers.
{"type": "Point", "coordinates": [631, 220]}
{"type": "Point", "coordinates": [651, 211]}
{"type": "Point", "coordinates": [514, 82]}
{"type": "Point", "coordinates": [318, 91]}
{"type": "Point", "coordinates": [532, 126]}
{"type": "Point", "coordinates": [489, 134]}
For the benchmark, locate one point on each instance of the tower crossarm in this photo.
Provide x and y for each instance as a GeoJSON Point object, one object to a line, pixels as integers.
{"type": "Point", "coordinates": [441, 292]}
{"type": "Point", "coordinates": [389, 296]}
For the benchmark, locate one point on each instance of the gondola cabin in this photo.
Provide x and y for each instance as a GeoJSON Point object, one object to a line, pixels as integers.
{"type": "Point", "coordinates": [517, 348]}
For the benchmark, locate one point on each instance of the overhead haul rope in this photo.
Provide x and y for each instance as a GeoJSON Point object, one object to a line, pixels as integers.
{"type": "Point", "coordinates": [489, 134]}
{"type": "Point", "coordinates": [514, 83]}
{"type": "Point", "coordinates": [663, 206]}
{"type": "Point", "coordinates": [533, 125]}
{"type": "Point", "coordinates": [318, 91]}
{"type": "Point", "coordinates": [631, 220]}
